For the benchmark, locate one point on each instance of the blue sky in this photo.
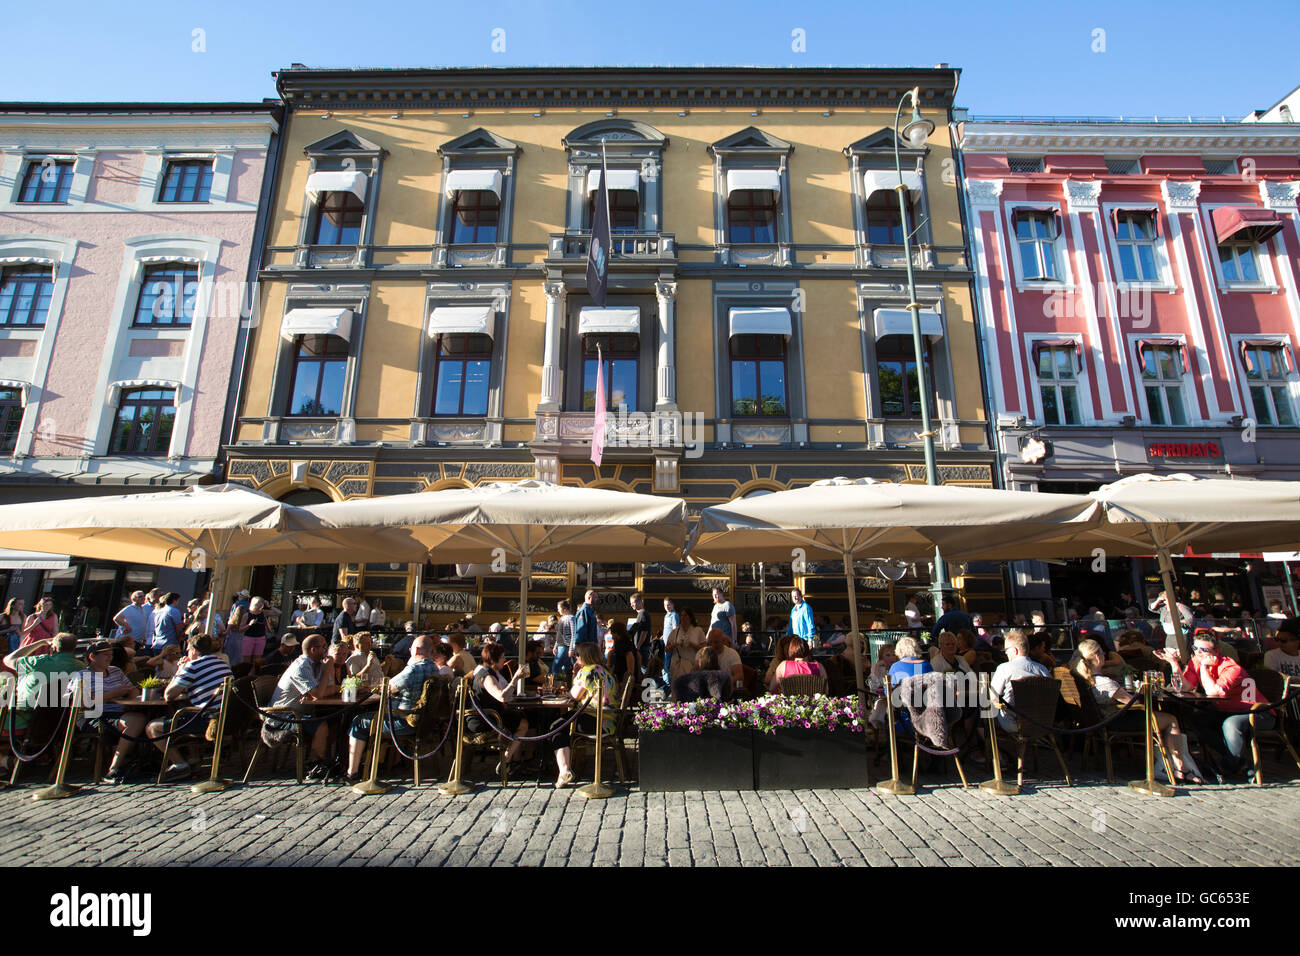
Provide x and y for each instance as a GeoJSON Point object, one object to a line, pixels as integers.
{"type": "Point", "coordinates": [1032, 58]}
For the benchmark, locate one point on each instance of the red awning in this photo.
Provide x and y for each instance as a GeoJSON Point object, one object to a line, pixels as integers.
{"type": "Point", "coordinates": [1246, 223]}
{"type": "Point", "coordinates": [1045, 210]}
{"type": "Point", "coordinates": [1143, 210]}
{"type": "Point", "coordinates": [1041, 344]}
{"type": "Point", "coordinates": [1163, 343]}
{"type": "Point", "coordinates": [1269, 344]}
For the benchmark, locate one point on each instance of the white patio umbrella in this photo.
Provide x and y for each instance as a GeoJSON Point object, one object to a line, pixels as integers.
{"type": "Point", "coordinates": [204, 527]}
{"type": "Point", "coordinates": [525, 520]}
{"type": "Point", "coordinates": [1167, 514]}
{"type": "Point", "coordinates": [841, 519]}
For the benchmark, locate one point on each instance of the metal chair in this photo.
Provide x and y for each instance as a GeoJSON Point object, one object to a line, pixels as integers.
{"type": "Point", "coordinates": [1035, 700]}
{"type": "Point", "coordinates": [931, 697]}
{"type": "Point", "coordinates": [262, 687]}
{"type": "Point", "coordinates": [1272, 686]}
{"type": "Point", "coordinates": [431, 713]}
{"type": "Point", "coordinates": [614, 740]}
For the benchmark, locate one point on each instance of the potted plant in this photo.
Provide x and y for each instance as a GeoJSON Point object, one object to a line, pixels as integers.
{"type": "Point", "coordinates": [701, 745]}
{"type": "Point", "coordinates": [151, 688]}
{"type": "Point", "coordinates": [351, 689]}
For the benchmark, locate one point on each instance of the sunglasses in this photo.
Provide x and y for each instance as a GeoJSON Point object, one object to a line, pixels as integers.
{"type": "Point", "coordinates": [1205, 650]}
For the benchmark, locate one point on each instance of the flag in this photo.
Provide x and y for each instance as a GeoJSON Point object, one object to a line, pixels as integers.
{"type": "Point", "coordinates": [599, 247]}
{"type": "Point", "coordinates": [598, 420]}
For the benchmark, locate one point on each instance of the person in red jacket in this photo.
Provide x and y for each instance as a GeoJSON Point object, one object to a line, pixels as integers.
{"type": "Point", "coordinates": [1224, 727]}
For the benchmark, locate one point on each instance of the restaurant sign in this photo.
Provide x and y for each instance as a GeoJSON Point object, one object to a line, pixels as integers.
{"type": "Point", "coordinates": [1184, 450]}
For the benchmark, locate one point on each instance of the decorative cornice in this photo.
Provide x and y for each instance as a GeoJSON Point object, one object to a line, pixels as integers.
{"type": "Point", "coordinates": [1180, 195]}
{"type": "Point", "coordinates": [1280, 196]}
{"type": "Point", "coordinates": [536, 87]}
{"type": "Point", "coordinates": [1082, 195]}
{"type": "Point", "coordinates": [1136, 138]}
{"type": "Point", "coordinates": [984, 192]}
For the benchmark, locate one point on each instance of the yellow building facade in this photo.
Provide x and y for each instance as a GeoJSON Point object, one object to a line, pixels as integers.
{"type": "Point", "coordinates": [424, 322]}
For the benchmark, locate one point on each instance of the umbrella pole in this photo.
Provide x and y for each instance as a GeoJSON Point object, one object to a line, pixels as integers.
{"type": "Point", "coordinates": [525, 570]}
{"type": "Point", "coordinates": [1171, 600]}
{"type": "Point", "coordinates": [849, 579]}
{"type": "Point", "coordinates": [214, 586]}
{"type": "Point", "coordinates": [762, 604]}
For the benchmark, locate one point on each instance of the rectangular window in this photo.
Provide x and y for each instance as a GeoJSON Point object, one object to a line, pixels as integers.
{"type": "Point", "coordinates": [462, 374]}
{"type": "Point", "coordinates": [186, 180]}
{"type": "Point", "coordinates": [143, 425]}
{"type": "Point", "coordinates": [1135, 237]}
{"type": "Point", "coordinates": [25, 295]}
{"type": "Point", "coordinates": [46, 180]}
{"type": "Point", "coordinates": [1036, 236]}
{"type": "Point", "coordinates": [900, 389]}
{"type": "Point", "coordinates": [751, 216]}
{"type": "Point", "coordinates": [338, 220]}
{"type": "Point", "coordinates": [1219, 167]}
{"type": "Point", "coordinates": [885, 225]}
{"type": "Point", "coordinates": [1269, 382]}
{"type": "Point", "coordinates": [624, 210]}
{"type": "Point", "coordinates": [758, 375]}
{"type": "Point", "coordinates": [320, 368]}
{"type": "Point", "coordinates": [11, 419]}
{"type": "Point", "coordinates": [1123, 167]}
{"type": "Point", "coordinates": [1025, 164]}
{"type": "Point", "coordinates": [1237, 261]}
{"type": "Point", "coordinates": [475, 216]}
{"type": "Point", "coordinates": [167, 294]}
{"type": "Point", "coordinates": [621, 355]}
{"type": "Point", "coordinates": [1162, 380]}
{"type": "Point", "coordinates": [1058, 385]}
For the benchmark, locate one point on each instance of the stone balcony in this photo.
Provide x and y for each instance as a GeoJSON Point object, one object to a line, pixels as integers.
{"type": "Point", "coordinates": [648, 247]}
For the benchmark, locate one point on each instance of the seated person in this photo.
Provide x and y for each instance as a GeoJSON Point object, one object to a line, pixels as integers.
{"type": "Point", "coordinates": [910, 662]}
{"type": "Point", "coordinates": [944, 657]}
{"type": "Point", "coordinates": [166, 663]}
{"type": "Point", "coordinates": [200, 677]}
{"type": "Point", "coordinates": [42, 666]}
{"type": "Point", "coordinates": [707, 680]}
{"type": "Point", "coordinates": [1134, 651]}
{"type": "Point", "coordinates": [1040, 649]}
{"type": "Point", "coordinates": [403, 694]}
{"type": "Point", "coordinates": [403, 647]}
{"type": "Point", "coordinates": [1224, 727]}
{"type": "Point", "coordinates": [306, 678]}
{"type": "Point", "coordinates": [1285, 658]}
{"type": "Point", "coordinates": [728, 659]}
{"type": "Point", "coordinates": [798, 661]}
{"type": "Point", "coordinates": [462, 662]}
{"type": "Point", "coordinates": [100, 688]}
{"type": "Point", "coordinates": [492, 690]}
{"type": "Point", "coordinates": [285, 653]}
{"type": "Point", "coordinates": [441, 655]}
{"type": "Point", "coordinates": [966, 646]}
{"type": "Point", "coordinates": [591, 682]}
{"type": "Point", "coordinates": [1016, 666]}
{"type": "Point", "coordinates": [537, 670]}
{"type": "Point", "coordinates": [363, 662]}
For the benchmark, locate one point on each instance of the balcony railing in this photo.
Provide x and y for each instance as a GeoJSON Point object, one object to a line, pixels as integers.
{"type": "Point", "coordinates": [637, 246]}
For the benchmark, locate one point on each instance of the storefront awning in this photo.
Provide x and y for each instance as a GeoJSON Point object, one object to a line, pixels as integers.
{"type": "Point", "coordinates": [336, 181]}
{"type": "Point", "coordinates": [628, 179]}
{"type": "Point", "coordinates": [878, 179]}
{"type": "Point", "coordinates": [31, 560]}
{"type": "Point", "coordinates": [462, 320]}
{"type": "Point", "coordinates": [1246, 224]}
{"type": "Point", "coordinates": [474, 180]}
{"type": "Point", "coordinates": [899, 322]}
{"type": "Point", "coordinates": [317, 322]}
{"type": "Point", "coordinates": [769, 321]}
{"type": "Point", "coordinates": [623, 320]}
{"type": "Point", "coordinates": [758, 179]}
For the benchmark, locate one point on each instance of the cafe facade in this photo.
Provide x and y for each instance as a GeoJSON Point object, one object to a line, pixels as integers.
{"type": "Point", "coordinates": [1137, 289]}
{"type": "Point", "coordinates": [424, 320]}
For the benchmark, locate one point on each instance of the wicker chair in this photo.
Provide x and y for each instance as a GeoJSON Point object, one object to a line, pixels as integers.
{"type": "Point", "coordinates": [1036, 699]}
{"type": "Point", "coordinates": [801, 685]}
{"type": "Point", "coordinates": [932, 697]}
{"type": "Point", "coordinates": [431, 717]}
{"type": "Point", "coordinates": [1271, 686]}
{"type": "Point", "coordinates": [623, 715]}
{"type": "Point", "coordinates": [483, 743]}
{"type": "Point", "coordinates": [1090, 714]}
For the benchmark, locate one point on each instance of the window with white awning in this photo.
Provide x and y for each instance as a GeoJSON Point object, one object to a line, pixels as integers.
{"type": "Point", "coordinates": [760, 321]}
{"type": "Point", "coordinates": [763, 180]}
{"type": "Point", "coordinates": [877, 179]}
{"type": "Point", "coordinates": [474, 180]}
{"type": "Point", "coordinates": [620, 320]}
{"type": "Point", "coordinates": [317, 321]}
{"type": "Point", "coordinates": [336, 181]}
{"type": "Point", "coordinates": [461, 320]}
{"type": "Point", "coordinates": [626, 179]}
{"type": "Point", "coordinates": [899, 322]}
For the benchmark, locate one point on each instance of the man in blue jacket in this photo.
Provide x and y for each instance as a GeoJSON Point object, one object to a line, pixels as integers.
{"type": "Point", "coordinates": [586, 629]}
{"type": "Point", "coordinates": [801, 617]}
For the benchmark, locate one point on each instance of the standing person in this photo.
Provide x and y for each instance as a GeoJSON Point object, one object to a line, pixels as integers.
{"type": "Point", "coordinates": [952, 619]}
{"type": "Point", "coordinates": [724, 617]}
{"type": "Point", "coordinates": [167, 622]}
{"type": "Point", "coordinates": [377, 616]}
{"type": "Point", "coordinates": [586, 627]}
{"type": "Point", "coordinates": [563, 639]}
{"type": "Point", "coordinates": [362, 616]}
{"type": "Point", "coordinates": [801, 617]}
{"type": "Point", "coordinates": [345, 624]}
{"type": "Point", "coordinates": [912, 613]}
{"type": "Point", "coordinates": [671, 622]}
{"type": "Point", "coordinates": [254, 642]}
{"type": "Point", "coordinates": [11, 625]}
{"type": "Point", "coordinates": [314, 616]}
{"type": "Point", "coordinates": [133, 620]}
{"type": "Point", "coordinates": [1158, 603]}
{"type": "Point", "coordinates": [42, 624]}
{"type": "Point", "coordinates": [638, 628]}
{"type": "Point", "coordinates": [684, 643]}
{"type": "Point", "coordinates": [241, 599]}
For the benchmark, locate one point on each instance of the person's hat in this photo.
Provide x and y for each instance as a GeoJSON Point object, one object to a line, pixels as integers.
{"type": "Point", "coordinates": [243, 592]}
{"type": "Point", "coordinates": [97, 646]}
{"type": "Point", "coordinates": [1291, 625]}
{"type": "Point", "coordinates": [290, 640]}
{"type": "Point", "coordinates": [495, 628]}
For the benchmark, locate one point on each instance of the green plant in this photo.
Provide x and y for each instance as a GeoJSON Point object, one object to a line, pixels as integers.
{"type": "Point", "coordinates": [150, 682]}
{"type": "Point", "coordinates": [353, 681]}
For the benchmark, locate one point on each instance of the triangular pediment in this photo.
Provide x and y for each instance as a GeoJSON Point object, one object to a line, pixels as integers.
{"type": "Point", "coordinates": [756, 139]}
{"type": "Point", "coordinates": [479, 140]}
{"type": "Point", "coordinates": [343, 141]}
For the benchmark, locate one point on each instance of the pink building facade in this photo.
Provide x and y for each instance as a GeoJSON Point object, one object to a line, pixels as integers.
{"type": "Point", "coordinates": [1137, 285]}
{"type": "Point", "coordinates": [125, 241]}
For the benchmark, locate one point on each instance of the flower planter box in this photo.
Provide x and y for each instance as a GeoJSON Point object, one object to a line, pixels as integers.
{"type": "Point", "coordinates": [795, 758]}
{"type": "Point", "coordinates": [715, 759]}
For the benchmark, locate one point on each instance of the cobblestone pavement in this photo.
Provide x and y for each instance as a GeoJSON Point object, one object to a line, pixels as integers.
{"type": "Point", "coordinates": [281, 823]}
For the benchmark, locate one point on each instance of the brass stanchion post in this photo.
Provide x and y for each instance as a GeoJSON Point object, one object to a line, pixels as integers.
{"type": "Point", "coordinates": [58, 790]}
{"type": "Point", "coordinates": [598, 790]}
{"type": "Point", "coordinates": [6, 707]}
{"type": "Point", "coordinates": [214, 783]}
{"type": "Point", "coordinates": [894, 785]}
{"type": "Point", "coordinates": [1150, 786]}
{"type": "Point", "coordinates": [997, 785]}
{"type": "Point", "coordinates": [372, 786]}
{"type": "Point", "coordinates": [455, 786]}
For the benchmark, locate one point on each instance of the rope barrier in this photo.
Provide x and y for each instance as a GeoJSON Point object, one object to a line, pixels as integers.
{"type": "Point", "coordinates": [13, 739]}
{"type": "Point", "coordinates": [1071, 730]}
{"type": "Point", "coordinates": [527, 740]}
{"type": "Point", "coordinates": [293, 717]}
{"type": "Point", "coordinates": [213, 702]}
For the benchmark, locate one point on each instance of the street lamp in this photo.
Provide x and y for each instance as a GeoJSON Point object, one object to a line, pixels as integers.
{"type": "Point", "coordinates": [916, 132]}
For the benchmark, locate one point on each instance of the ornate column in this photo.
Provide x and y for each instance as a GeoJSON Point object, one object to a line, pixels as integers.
{"type": "Point", "coordinates": [551, 375]}
{"type": "Point", "coordinates": [666, 365]}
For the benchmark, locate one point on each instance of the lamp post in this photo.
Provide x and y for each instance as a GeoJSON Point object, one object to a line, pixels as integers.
{"type": "Point", "coordinates": [916, 132]}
